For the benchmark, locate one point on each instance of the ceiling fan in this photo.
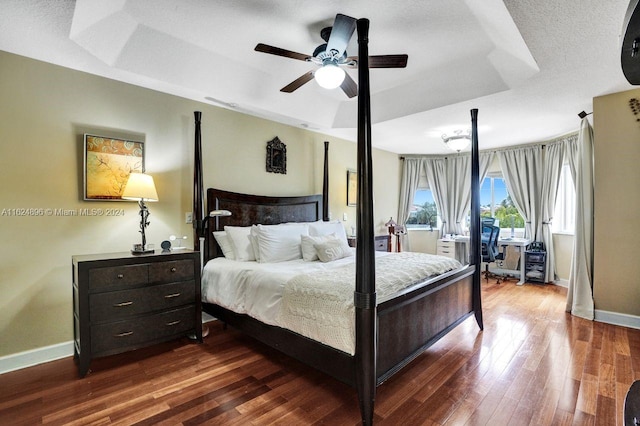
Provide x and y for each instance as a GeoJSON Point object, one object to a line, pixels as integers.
{"type": "Point", "coordinates": [331, 57]}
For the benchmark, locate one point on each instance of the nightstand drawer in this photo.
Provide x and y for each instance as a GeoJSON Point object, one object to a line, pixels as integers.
{"type": "Point", "coordinates": [112, 277]}
{"type": "Point", "coordinates": [111, 337]}
{"type": "Point", "coordinates": [121, 304]}
{"type": "Point", "coordinates": [446, 252]}
{"type": "Point", "coordinates": [177, 270]}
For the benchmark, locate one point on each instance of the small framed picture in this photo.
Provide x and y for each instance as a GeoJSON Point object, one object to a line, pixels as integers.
{"type": "Point", "coordinates": [107, 165]}
{"type": "Point", "coordinates": [276, 156]}
{"type": "Point", "coordinates": [352, 187]}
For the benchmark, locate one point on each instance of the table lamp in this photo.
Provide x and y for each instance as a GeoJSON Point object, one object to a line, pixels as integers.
{"type": "Point", "coordinates": [140, 187]}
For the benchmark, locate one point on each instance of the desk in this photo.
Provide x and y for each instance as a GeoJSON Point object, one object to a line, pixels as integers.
{"type": "Point", "coordinates": [521, 243]}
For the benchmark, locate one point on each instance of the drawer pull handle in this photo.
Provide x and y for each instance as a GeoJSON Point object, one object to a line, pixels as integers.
{"type": "Point", "coordinates": [173, 269]}
{"type": "Point", "coordinates": [125, 334]}
{"type": "Point", "coordinates": [120, 305]}
{"type": "Point", "coordinates": [170, 296]}
{"type": "Point", "coordinates": [173, 322]}
{"type": "Point", "coordinates": [120, 276]}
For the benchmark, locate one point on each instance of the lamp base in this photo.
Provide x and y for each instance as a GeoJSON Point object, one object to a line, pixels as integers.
{"type": "Point", "coordinates": [142, 251]}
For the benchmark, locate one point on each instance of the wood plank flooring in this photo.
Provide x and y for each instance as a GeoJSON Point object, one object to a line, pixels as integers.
{"type": "Point", "coordinates": [532, 365]}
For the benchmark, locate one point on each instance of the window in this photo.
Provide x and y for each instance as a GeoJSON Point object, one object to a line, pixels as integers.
{"type": "Point", "coordinates": [423, 212]}
{"type": "Point", "coordinates": [495, 201]}
{"type": "Point", "coordinates": [565, 211]}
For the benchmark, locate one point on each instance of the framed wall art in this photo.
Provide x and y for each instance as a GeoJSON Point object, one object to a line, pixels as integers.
{"type": "Point", "coordinates": [352, 187]}
{"type": "Point", "coordinates": [276, 156]}
{"type": "Point", "coordinates": [107, 165]}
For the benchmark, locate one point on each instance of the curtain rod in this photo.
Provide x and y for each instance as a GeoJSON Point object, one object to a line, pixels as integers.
{"type": "Point", "coordinates": [527, 145]}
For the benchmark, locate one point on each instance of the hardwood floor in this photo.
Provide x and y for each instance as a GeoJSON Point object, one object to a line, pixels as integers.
{"type": "Point", "coordinates": [533, 364]}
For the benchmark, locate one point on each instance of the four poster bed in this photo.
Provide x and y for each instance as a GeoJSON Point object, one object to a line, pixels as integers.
{"type": "Point", "coordinates": [390, 329]}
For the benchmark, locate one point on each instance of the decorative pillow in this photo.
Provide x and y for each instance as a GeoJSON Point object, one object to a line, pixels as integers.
{"type": "Point", "coordinates": [241, 243]}
{"type": "Point", "coordinates": [225, 244]}
{"type": "Point", "coordinates": [320, 228]}
{"type": "Point", "coordinates": [332, 250]}
{"type": "Point", "coordinates": [309, 252]}
{"type": "Point", "coordinates": [279, 243]}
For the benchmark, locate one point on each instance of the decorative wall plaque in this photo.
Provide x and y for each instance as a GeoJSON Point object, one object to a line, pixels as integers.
{"type": "Point", "coordinates": [276, 156]}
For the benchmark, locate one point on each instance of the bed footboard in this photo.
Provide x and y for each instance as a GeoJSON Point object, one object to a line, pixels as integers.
{"type": "Point", "coordinates": [412, 322]}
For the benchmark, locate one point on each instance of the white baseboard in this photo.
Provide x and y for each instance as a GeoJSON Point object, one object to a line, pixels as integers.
{"type": "Point", "coordinates": [48, 353]}
{"type": "Point", "coordinates": [562, 282]}
{"type": "Point", "coordinates": [615, 318]}
{"type": "Point", "coordinates": [35, 356]}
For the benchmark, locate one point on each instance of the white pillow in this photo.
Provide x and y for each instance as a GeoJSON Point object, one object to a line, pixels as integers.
{"type": "Point", "coordinates": [241, 243]}
{"type": "Point", "coordinates": [225, 244]}
{"type": "Point", "coordinates": [279, 243]}
{"type": "Point", "coordinates": [253, 237]}
{"type": "Point", "coordinates": [331, 250]}
{"type": "Point", "coordinates": [320, 228]}
{"type": "Point", "coordinates": [309, 252]}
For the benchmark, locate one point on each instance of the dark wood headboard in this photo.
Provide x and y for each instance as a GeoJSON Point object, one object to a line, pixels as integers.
{"type": "Point", "coordinates": [248, 210]}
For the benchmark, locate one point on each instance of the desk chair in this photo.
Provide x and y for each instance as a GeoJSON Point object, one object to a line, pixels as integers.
{"type": "Point", "coordinates": [489, 246]}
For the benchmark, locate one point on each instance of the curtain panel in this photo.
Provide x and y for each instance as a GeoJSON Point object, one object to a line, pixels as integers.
{"type": "Point", "coordinates": [448, 179]}
{"type": "Point", "coordinates": [520, 171]}
{"type": "Point", "coordinates": [580, 292]}
{"type": "Point", "coordinates": [553, 161]}
{"type": "Point", "coordinates": [411, 169]}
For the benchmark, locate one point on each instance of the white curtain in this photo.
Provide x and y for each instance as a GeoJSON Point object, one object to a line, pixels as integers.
{"type": "Point", "coordinates": [410, 177]}
{"type": "Point", "coordinates": [458, 194]}
{"type": "Point", "coordinates": [450, 182]}
{"type": "Point", "coordinates": [553, 160]}
{"type": "Point", "coordinates": [520, 169]}
{"type": "Point", "coordinates": [436, 171]}
{"type": "Point", "coordinates": [411, 170]}
{"type": "Point", "coordinates": [580, 293]}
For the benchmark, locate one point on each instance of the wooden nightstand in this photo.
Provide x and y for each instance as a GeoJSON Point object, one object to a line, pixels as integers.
{"type": "Point", "coordinates": [123, 302]}
{"type": "Point", "coordinates": [381, 242]}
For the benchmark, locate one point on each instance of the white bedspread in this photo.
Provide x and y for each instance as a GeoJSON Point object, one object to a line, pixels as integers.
{"type": "Point", "coordinates": [314, 299]}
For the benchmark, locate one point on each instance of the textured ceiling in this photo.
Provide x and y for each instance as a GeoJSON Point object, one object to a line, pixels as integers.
{"type": "Point", "coordinates": [528, 66]}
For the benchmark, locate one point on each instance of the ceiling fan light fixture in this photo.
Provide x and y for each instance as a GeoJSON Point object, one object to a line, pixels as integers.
{"type": "Point", "coordinates": [329, 76]}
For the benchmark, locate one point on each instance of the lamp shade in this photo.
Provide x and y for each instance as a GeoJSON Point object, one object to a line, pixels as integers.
{"type": "Point", "coordinates": [140, 186]}
{"type": "Point", "coordinates": [329, 76]}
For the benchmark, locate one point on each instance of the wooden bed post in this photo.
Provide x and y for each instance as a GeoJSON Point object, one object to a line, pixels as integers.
{"type": "Point", "coordinates": [325, 183]}
{"type": "Point", "coordinates": [475, 249]}
{"type": "Point", "coordinates": [365, 292]}
{"type": "Point", "coordinates": [198, 189]}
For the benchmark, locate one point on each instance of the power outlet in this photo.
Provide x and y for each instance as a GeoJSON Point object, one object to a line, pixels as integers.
{"type": "Point", "coordinates": [344, 217]}
{"type": "Point", "coordinates": [188, 217]}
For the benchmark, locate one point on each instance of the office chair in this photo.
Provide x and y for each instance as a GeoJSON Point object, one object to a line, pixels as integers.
{"type": "Point", "coordinates": [489, 246]}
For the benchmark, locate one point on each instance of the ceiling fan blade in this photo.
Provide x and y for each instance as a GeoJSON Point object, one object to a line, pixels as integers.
{"type": "Point", "coordinates": [379, 61]}
{"type": "Point", "coordinates": [343, 28]}
{"type": "Point", "coordinates": [348, 86]}
{"type": "Point", "coordinates": [265, 48]}
{"type": "Point", "coordinates": [388, 61]}
{"type": "Point", "coordinates": [295, 84]}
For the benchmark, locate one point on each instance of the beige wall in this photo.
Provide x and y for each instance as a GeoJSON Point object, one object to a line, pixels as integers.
{"type": "Point", "coordinates": [45, 110]}
{"type": "Point", "coordinates": [617, 204]}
